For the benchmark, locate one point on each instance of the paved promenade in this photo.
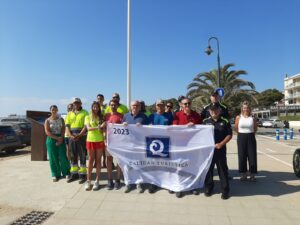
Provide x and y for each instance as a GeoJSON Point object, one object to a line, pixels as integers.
{"type": "Point", "coordinates": [273, 199]}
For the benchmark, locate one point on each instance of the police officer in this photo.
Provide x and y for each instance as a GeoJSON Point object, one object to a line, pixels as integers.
{"type": "Point", "coordinates": [77, 133]}
{"type": "Point", "coordinates": [222, 135]}
{"type": "Point", "coordinates": [214, 98]}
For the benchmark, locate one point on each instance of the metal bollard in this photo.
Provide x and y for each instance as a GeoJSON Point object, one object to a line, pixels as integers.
{"type": "Point", "coordinates": [291, 133]}
{"type": "Point", "coordinates": [277, 135]}
{"type": "Point", "coordinates": [284, 134]}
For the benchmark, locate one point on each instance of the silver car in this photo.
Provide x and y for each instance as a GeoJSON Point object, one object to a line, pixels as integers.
{"type": "Point", "coordinates": [273, 123]}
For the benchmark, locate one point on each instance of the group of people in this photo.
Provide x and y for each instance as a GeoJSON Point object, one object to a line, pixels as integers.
{"type": "Point", "coordinates": [82, 133]}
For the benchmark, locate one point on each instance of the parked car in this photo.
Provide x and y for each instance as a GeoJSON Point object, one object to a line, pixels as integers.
{"type": "Point", "coordinates": [9, 140]}
{"type": "Point", "coordinates": [260, 122]}
{"type": "Point", "coordinates": [14, 119]}
{"type": "Point", "coordinates": [273, 123]}
{"type": "Point", "coordinates": [23, 130]}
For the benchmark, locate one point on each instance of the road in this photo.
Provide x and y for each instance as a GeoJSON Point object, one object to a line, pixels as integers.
{"type": "Point", "coordinates": [271, 132]}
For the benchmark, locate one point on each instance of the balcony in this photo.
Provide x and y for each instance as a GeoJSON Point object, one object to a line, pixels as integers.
{"type": "Point", "coordinates": [294, 95]}
{"type": "Point", "coordinates": [293, 85]}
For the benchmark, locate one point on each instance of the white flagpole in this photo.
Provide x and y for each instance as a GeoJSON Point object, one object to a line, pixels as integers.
{"type": "Point", "coordinates": [128, 57]}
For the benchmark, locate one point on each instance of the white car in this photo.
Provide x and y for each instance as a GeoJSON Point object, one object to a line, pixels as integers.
{"type": "Point", "coordinates": [273, 123]}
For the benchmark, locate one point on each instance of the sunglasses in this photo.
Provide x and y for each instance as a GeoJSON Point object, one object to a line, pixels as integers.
{"type": "Point", "coordinates": [169, 106]}
{"type": "Point", "coordinates": [113, 105]}
{"type": "Point", "coordinates": [186, 103]}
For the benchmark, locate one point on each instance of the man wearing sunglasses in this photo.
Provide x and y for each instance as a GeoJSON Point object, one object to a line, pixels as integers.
{"type": "Point", "coordinates": [169, 109]}
{"type": "Point", "coordinates": [186, 117]}
{"type": "Point", "coordinates": [120, 107]}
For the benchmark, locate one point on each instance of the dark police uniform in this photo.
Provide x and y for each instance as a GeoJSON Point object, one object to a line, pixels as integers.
{"type": "Point", "coordinates": [224, 111]}
{"type": "Point", "coordinates": [222, 129]}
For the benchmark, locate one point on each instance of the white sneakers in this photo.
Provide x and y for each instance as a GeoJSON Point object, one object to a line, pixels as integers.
{"type": "Point", "coordinates": [88, 185]}
{"type": "Point", "coordinates": [96, 185]}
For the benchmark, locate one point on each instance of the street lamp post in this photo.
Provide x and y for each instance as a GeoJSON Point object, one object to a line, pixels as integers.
{"type": "Point", "coordinates": [208, 51]}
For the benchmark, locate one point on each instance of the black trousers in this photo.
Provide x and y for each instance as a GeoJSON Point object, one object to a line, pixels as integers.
{"type": "Point", "coordinates": [220, 160]}
{"type": "Point", "coordinates": [247, 152]}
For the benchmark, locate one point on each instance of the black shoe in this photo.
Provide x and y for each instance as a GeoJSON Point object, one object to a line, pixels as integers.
{"type": "Point", "coordinates": [139, 188]}
{"type": "Point", "coordinates": [225, 195]}
{"type": "Point", "coordinates": [171, 192]}
{"type": "Point", "coordinates": [179, 194]}
{"type": "Point", "coordinates": [72, 178]}
{"type": "Point", "coordinates": [117, 185]}
{"type": "Point", "coordinates": [128, 188]}
{"type": "Point", "coordinates": [196, 192]}
{"type": "Point", "coordinates": [208, 192]}
{"type": "Point", "coordinates": [82, 180]}
{"type": "Point", "coordinates": [110, 185]}
{"type": "Point", "coordinates": [152, 188]}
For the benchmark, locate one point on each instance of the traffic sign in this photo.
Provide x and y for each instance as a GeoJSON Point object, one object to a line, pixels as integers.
{"type": "Point", "coordinates": [220, 92]}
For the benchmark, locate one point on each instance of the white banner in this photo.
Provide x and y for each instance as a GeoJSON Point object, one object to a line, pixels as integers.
{"type": "Point", "coordinates": [173, 157]}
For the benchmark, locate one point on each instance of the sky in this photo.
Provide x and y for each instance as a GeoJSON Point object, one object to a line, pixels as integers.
{"type": "Point", "coordinates": [54, 50]}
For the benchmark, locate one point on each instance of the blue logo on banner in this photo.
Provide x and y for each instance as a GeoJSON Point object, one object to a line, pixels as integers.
{"type": "Point", "coordinates": [157, 147]}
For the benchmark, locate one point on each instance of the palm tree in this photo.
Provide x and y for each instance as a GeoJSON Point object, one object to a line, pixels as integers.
{"type": "Point", "coordinates": [206, 82]}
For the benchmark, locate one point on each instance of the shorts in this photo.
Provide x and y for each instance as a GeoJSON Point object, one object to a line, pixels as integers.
{"type": "Point", "coordinates": [95, 145]}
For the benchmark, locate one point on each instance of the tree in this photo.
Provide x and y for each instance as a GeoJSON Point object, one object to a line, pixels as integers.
{"type": "Point", "coordinates": [236, 89]}
{"type": "Point", "coordinates": [268, 97]}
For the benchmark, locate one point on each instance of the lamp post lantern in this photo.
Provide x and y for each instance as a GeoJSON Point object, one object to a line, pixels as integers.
{"type": "Point", "coordinates": [208, 51]}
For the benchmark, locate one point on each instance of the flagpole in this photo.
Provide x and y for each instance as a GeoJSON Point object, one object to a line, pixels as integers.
{"type": "Point", "coordinates": [128, 56]}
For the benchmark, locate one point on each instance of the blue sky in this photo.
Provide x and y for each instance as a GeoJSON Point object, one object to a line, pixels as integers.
{"type": "Point", "coordinates": [53, 50]}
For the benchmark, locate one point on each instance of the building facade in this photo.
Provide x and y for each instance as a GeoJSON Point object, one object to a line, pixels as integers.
{"type": "Point", "coordinates": [292, 90]}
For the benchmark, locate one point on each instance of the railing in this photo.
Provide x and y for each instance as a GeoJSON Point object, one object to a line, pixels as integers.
{"type": "Point", "coordinates": [285, 107]}
{"type": "Point", "coordinates": [294, 95]}
{"type": "Point", "coordinates": [296, 84]}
